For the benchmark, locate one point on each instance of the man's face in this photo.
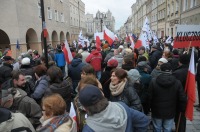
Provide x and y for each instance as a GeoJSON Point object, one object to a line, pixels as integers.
{"type": "Point", "coordinates": [21, 81]}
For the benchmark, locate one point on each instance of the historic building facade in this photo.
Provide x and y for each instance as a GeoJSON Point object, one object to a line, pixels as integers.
{"type": "Point", "coordinates": [77, 18]}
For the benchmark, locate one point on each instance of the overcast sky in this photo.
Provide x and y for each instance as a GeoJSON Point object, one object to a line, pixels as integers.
{"type": "Point", "coordinates": [121, 9]}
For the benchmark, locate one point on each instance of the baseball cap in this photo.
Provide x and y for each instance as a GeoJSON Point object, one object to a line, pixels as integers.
{"type": "Point", "coordinates": [90, 95]}
{"type": "Point", "coordinates": [112, 63]}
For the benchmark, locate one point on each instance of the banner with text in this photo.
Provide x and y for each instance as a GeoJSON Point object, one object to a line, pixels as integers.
{"type": "Point", "coordinates": [187, 34]}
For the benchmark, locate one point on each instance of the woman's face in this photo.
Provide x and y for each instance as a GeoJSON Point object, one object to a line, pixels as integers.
{"type": "Point", "coordinates": [83, 74]}
{"type": "Point", "coordinates": [114, 79]}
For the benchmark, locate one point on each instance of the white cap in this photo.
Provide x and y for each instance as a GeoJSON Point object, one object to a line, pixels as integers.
{"type": "Point", "coordinates": [121, 46]}
{"type": "Point", "coordinates": [26, 61]}
{"type": "Point", "coordinates": [163, 60]}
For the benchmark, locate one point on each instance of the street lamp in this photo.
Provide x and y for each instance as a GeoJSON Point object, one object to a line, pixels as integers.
{"type": "Point", "coordinates": [102, 16]}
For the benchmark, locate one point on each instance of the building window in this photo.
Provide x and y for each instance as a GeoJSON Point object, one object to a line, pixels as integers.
{"type": "Point", "coordinates": [55, 14]}
{"type": "Point", "coordinates": [185, 7]}
{"type": "Point", "coordinates": [177, 5]}
{"type": "Point", "coordinates": [168, 10]}
{"type": "Point", "coordinates": [39, 10]}
{"type": "Point", "coordinates": [62, 17]}
{"type": "Point", "coordinates": [49, 13]}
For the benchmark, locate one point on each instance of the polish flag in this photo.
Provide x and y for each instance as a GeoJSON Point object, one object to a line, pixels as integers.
{"type": "Point", "coordinates": [142, 41]}
{"type": "Point", "coordinates": [109, 36]}
{"type": "Point", "coordinates": [72, 112]}
{"type": "Point", "coordinates": [67, 52]}
{"type": "Point", "coordinates": [127, 38]}
{"type": "Point", "coordinates": [132, 41]}
{"type": "Point", "coordinates": [190, 88]}
{"type": "Point", "coordinates": [98, 41]}
{"type": "Point", "coordinates": [116, 38]}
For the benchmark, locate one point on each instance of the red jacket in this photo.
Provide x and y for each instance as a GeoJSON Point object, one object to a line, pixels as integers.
{"type": "Point", "coordinates": [95, 60]}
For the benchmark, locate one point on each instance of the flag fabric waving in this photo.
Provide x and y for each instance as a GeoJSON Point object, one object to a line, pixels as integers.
{"type": "Point", "coordinates": [190, 88]}
{"type": "Point", "coordinates": [132, 41]}
{"type": "Point", "coordinates": [109, 36]}
{"type": "Point", "coordinates": [142, 41]}
{"type": "Point", "coordinates": [81, 39]}
{"type": "Point", "coordinates": [45, 33]}
{"type": "Point", "coordinates": [98, 41]}
{"type": "Point", "coordinates": [67, 52]}
{"type": "Point", "coordinates": [17, 45]}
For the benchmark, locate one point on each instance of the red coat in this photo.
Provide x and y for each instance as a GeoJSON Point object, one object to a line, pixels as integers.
{"type": "Point", "coordinates": [95, 60]}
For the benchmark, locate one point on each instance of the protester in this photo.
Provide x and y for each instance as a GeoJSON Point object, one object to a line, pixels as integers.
{"type": "Point", "coordinates": [20, 102]}
{"type": "Point", "coordinates": [105, 116]}
{"type": "Point", "coordinates": [181, 74]}
{"type": "Point", "coordinates": [74, 70]}
{"type": "Point", "coordinates": [41, 84]}
{"type": "Point", "coordinates": [122, 89]}
{"type": "Point", "coordinates": [166, 95]}
{"type": "Point", "coordinates": [95, 59]}
{"type": "Point", "coordinates": [156, 71]}
{"type": "Point", "coordinates": [14, 122]}
{"type": "Point", "coordinates": [60, 59]}
{"type": "Point", "coordinates": [18, 80]}
{"type": "Point", "coordinates": [105, 78]}
{"type": "Point", "coordinates": [55, 118]}
{"type": "Point", "coordinates": [6, 69]}
{"type": "Point", "coordinates": [59, 85]}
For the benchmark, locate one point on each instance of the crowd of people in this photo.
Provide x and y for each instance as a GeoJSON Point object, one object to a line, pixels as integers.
{"type": "Point", "coordinates": [112, 88]}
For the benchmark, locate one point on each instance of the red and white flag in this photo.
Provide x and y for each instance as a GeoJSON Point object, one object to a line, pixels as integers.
{"type": "Point", "coordinates": [142, 41]}
{"type": "Point", "coordinates": [72, 112]}
{"type": "Point", "coordinates": [116, 38]}
{"type": "Point", "coordinates": [109, 36]}
{"type": "Point", "coordinates": [67, 52]}
{"type": "Point", "coordinates": [132, 41]}
{"type": "Point", "coordinates": [190, 88]}
{"type": "Point", "coordinates": [98, 40]}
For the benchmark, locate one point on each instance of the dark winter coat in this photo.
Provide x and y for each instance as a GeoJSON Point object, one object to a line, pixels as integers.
{"type": "Point", "coordinates": [154, 57]}
{"type": "Point", "coordinates": [74, 71]}
{"type": "Point", "coordinates": [5, 72]}
{"type": "Point", "coordinates": [64, 89]}
{"type": "Point", "coordinates": [129, 96]}
{"type": "Point", "coordinates": [181, 74]}
{"type": "Point", "coordinates": [105, 81]}
{"type": "Point", "coordinates": [165, 96]}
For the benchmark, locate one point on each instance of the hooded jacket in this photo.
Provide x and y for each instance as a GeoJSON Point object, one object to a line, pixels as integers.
{"type": "Point", "coordinates": [74, 71]}
{"type": "Point", "coordinates": [5, 72]}
{"type": "Point", "coordinates": [166, 95]}
{"type": "Point", "coordinates": [117, 117]}
{"type": "Point", "coordinates": [15, 122]}
{"type": "Point", "coordinates": [26, 106]}
{"type": "Point", "coordinates": [94, 59]}
{"type": "Point", "coordinates": [64, 89]}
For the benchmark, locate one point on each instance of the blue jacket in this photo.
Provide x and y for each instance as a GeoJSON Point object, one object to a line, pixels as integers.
{"type": "Point", "coordinates": [136, 122]}
{"type": "Point", "coordinates": [74, 71]}
{"type": "Point", "coordinates": [60, 59]}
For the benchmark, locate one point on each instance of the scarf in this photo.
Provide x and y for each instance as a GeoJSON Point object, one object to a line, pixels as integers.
{"type": "Point", "coordinates": [117, 89]}
{"type": "Point", "coordinates": [54, 123]}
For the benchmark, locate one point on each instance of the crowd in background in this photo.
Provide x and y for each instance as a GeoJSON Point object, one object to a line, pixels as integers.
{"type": "Point", "coordinates": [113, 88]}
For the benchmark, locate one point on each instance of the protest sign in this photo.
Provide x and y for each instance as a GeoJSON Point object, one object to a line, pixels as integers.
{"type": "Point", "coordinates": [187, 36]}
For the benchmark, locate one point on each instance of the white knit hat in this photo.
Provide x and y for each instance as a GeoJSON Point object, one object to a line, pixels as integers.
{"type": "Point", "coordinates": [26, 61]}
{"type": "Point", "coordinates": [163, 60]}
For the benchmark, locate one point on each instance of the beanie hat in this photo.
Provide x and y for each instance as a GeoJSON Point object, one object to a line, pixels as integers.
{"type": "Point", "coordinates": [112, 63]}
{"type": "Point", "coordinates": [166, 67]}
{"type": "Point", "coordinates": [142, 64]}
{"type": "Point", "coordinates": [134, 74]}
{"type": "Point", "coordinates": [121, 46]}
{"type": "Point", "coordinates": [25, 61]}
{"type": "Point", "coordinates": [185, 59]}
{"type": "Point", "coordinates": [90, 95]}
{"type": "Point", "coordinates": [163, 60]}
